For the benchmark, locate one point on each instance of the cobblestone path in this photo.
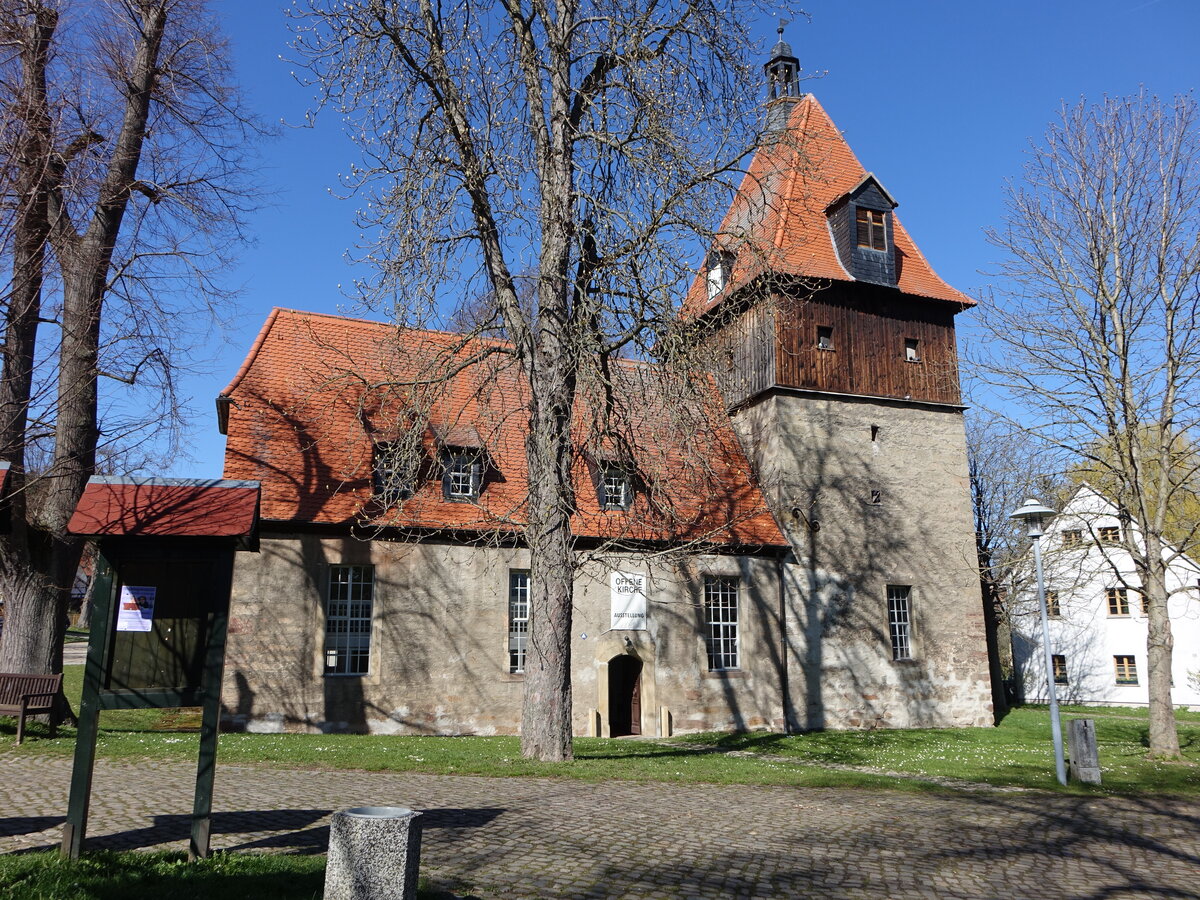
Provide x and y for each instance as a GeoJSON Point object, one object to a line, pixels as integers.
{"type": "Point", "coordinates": [545, 838]}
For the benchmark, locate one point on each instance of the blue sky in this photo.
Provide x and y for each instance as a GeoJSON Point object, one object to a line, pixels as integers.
{"type": "Point", "coordinates": [939, 99]}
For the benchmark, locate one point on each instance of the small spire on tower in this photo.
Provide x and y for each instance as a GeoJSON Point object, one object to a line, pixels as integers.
{"type": "Point", "coordinates": [783, 69]}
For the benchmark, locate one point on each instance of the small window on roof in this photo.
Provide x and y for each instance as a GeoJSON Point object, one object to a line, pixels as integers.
{"type": "Point", "coordinates": [463, 474]}
{"type": "Point", "coordinates": [616, 487]}
{"type": "Point", "coordinates": [872, 229]}
{"type": "Point", "coordinates": [391, 473]}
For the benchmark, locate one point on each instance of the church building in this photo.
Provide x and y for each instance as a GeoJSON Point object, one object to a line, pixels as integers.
{"type": "Point", "coordinates": [818, 570]}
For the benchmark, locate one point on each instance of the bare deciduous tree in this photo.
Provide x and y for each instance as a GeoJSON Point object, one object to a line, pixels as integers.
{"type": "Point", "coordinates": [1097, 336]}
{"type": "Point", "coordinates": [124, 151]}
{"type": "Point", "coordinates": [584, 149]}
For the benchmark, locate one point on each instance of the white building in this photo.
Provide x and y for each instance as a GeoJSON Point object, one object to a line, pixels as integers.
{"type": "Point", "coordinates": [1097, 624]}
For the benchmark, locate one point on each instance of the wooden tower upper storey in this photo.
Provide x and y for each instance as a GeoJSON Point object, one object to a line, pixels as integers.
{"type": "Point", "coordinates": [813, 283]}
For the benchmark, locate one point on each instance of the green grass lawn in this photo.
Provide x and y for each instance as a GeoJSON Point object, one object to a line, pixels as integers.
{"type": "Point", "coordinates": [136, 875]}
{"type": "Point", "coordinates": [108, 875]}
{"type": "Point", "coordinates": [1016, 753]}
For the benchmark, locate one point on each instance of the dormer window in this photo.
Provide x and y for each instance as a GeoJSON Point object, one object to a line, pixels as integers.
{"type": "Point", "coordinates": [720, 269]}
{"type": "Point", "coordinates": [872, 229]}
{"type": "Point", "coordinates": [616, 487]}
{"type": "Point", "coordinates": [860, 222]}
{"type": "Point", "coordinates": [463, 474]}
{"type": "Point", "coordinates": [391, 473]}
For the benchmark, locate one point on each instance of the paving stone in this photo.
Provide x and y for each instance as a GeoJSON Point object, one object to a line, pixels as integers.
{"type": "Point", "coordinates": [547, 838]}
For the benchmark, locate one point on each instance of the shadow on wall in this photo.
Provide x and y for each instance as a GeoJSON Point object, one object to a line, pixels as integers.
{"type": "Point", "coordinates": [832, 654]}
{"type": "Point", "coordinates": [868, 510]}
{"type": "Point", "coordinates": [1088, 678]}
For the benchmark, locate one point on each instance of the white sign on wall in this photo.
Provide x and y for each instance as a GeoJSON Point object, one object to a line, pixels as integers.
{"type": "Point", "coordinates": [628, 601]}
{"type": "Point", "coordinates": [136, 609]}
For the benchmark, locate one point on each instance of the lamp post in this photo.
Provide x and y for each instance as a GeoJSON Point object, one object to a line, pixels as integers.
{"type": "Point", "coordinates": [1034, 515]}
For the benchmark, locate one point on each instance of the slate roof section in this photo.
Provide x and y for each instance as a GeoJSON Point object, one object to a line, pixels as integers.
{"type": "Point", "coordinates": [166, 507]}
{"type": "Point", "coordinates": [777, 221]}
{"type": "Point", "coordinates": [316, 392]}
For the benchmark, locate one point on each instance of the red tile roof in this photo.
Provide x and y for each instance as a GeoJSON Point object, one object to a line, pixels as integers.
{"type": "Point", "coordinates": [174, 507]}
{"type": "Point", "coordinates": [777, 222]}
{"type": "Point", "coordinates": [317, 391]}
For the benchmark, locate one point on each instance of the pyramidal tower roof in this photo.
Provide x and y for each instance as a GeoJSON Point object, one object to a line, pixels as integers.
{"type": "Point", "coordinates": [778, 223]}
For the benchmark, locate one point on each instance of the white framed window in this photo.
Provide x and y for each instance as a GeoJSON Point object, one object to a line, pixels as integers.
{"type": "Point", "coordinates": [518, 619]}
{"type": "Point", "coordinates": [900, 620]}
{"type": "Point", "coordinates": [721, 622]}
{"type": "Point", "coordinates": [464, 474]}
{"type": "Point", "coordinates": [719, 271]}
{"type": "Point", "coordinates": [390, 478]}
{"type": "Point", "coordinates": [348, 609]}
{"type": "Point", "coordinates": [616, 487]}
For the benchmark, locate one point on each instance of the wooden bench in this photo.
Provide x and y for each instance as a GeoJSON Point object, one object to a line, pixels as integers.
{"type": "Point", "coordinates": [23, 695]}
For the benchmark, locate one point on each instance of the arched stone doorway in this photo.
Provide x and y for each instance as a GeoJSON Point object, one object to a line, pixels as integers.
{"type": "Point", "coordinates": [625, 695]}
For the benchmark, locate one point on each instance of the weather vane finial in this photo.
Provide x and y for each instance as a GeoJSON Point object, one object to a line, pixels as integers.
{"type": "Point", "coordinates": [783, 23]}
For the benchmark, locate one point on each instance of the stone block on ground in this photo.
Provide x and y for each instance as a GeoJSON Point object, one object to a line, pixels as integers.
{"type": "Point", "coordinates": [1082, 754]}
{"type": "Point", "coordinates": [374, 853]}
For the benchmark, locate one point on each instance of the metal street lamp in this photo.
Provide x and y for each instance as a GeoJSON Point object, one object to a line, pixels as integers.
{"type": "Point", "coordinates": [1034, 515]}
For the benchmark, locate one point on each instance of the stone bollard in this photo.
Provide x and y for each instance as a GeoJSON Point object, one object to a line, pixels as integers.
{"type": "Point", "coordinates": [374, 853]}
{"type": "Point", "coordinates": [1082, 754]}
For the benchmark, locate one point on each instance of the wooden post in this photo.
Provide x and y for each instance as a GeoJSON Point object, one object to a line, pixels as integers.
{"type": "Point", "coordinates": [99, 637]}
{"type": "Point", "coordinates": [214, 670]}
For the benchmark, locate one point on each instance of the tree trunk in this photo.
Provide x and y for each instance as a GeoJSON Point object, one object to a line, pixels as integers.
{"type": "Point", "coordinates": [991, 630]}
{"type": "Point", "coordinates": [40, 577]}
{"type": "Point", "coordinates": [34, 611]}
{"type": "Point", "coordinates": [546, 710]}
{"type": "Point", "coordinates": [1164, 738]}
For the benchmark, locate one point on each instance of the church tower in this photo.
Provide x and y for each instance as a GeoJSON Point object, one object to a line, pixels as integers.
{"type": "Point", "coordinates": [834, 347]}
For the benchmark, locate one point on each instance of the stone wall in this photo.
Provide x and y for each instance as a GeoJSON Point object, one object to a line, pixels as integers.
{"type": "Point", "coordinates": [873, 493]}
{"type": "Point", "coordinates": [439, 644]}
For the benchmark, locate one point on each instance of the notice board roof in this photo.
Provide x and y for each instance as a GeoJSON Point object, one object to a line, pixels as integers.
{"type": "Point", "coordinates": [166, 507]}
